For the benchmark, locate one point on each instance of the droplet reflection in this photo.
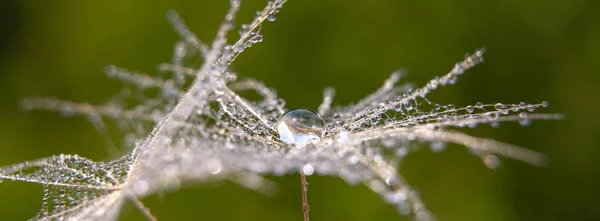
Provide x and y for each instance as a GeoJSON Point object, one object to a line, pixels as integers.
{"type": "Point", "coordinates": [300, 127]}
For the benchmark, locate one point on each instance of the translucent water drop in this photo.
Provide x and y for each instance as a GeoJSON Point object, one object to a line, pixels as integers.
{"type": "Point", "coordinates": [240, 48]}
{"type": "Point", "coordinates": [308, 169]}
{"type": "Point", "coordinates": [437, 146]}
{"type": "Point", "coordinates": [370, 111]}
{"type": "Point", "coordinates": [525, 121]}
{"type": "Point", "coordinates": [244, 28]}
{"type": "Point", "coordinates": [256, 37]}
{"type": "Point", "coordinates": [491, 161]}
{"type": "Point", "coordinates": [111, 70]}
{"type": "Point", "coordinates": [470, 109]}
{"type": "Point", "coordinates": [499, 106]}
{"type": "Point", "coordinates": [402, 152]}
{"type": "Point", "coordinates": [395, 197]}
{"type": "Point", "coordinates": [545, 104]}
{"type": "Point", "coordinates": [300, 127]}
{"type": "Point", "coordinates": [433, 113]}
{"type": "Point", "coordinates": [479, 105]}
{"type": "Point", "coordinates": [353, 159]}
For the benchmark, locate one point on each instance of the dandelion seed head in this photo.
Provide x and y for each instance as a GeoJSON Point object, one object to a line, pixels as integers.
{"type": "Point", "coordinates": [190, 124]}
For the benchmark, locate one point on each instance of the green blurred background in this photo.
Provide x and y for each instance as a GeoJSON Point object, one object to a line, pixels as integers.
{"type": "Point", "coordinates": [537, 50]}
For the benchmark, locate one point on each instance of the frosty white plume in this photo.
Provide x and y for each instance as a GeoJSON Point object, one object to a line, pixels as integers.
{"type": "Point", "coordinates": [190, 124]}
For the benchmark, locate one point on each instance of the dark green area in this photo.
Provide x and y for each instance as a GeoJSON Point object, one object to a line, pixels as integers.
{"type": "Point", "coordinates": [537, 50]}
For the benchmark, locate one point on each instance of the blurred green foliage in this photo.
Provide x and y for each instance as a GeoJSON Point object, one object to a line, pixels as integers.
{"type": "Point", "coordinates": [537, 50]}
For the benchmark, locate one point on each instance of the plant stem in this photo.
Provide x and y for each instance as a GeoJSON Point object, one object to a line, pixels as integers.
{"type": "Point", "coordinates": [305, 206]}
{"type": "Point", "coordinates": [142, 208]}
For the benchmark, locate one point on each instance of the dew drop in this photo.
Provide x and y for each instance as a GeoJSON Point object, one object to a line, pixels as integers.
{"type": "Point", "coordinates": [491, 161]}
{"type": "Point", "coordinates": [470, 109]}
{"type": "Point", "coordinates": [111, 70]}
{"type": "Point", "coordinates": [388, 143]}
{"type": "Point", "coordinates": [499, 106]}
{"type": "Point", "coordinates": [140, 188]}
{"type": "Point", "coordinates": [525, 121]}
{"type": "Point", "coordinates": [308, 169]}
{"type": "Point", "coordinates": [256, 37]}
{"type": "Point", "coordinates": [353, 159]}
{"type": "Point", "coordinates": [300, 127]}
{"type": "Point", "coordinates": [244, 28]}
{"type": "Point", "coordinates": [479, 105]}
{"type": "Point", "coordinates": [402, 152]}
{"type": "Point", "coordinates": [545, 104]}
{"type": "Point", "coordinates": [370, 111]}
{"type": "Point", "coordinates": [495, 124]}
{"type": "Point", "coordinates": [240, 48]}
{"type": "Point", "coordinates": [433, 113]}
{"type": "Point", "coordinates": [437, 146]}
{"type": "Point", "coordinates": [395, 197]}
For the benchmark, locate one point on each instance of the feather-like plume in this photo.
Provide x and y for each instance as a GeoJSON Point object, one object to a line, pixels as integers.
{"type": "Point", "coordinates": [190, 124]}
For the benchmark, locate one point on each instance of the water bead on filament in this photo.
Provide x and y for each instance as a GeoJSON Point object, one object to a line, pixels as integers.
{"type": "Point", "coordinates": [300, 127]}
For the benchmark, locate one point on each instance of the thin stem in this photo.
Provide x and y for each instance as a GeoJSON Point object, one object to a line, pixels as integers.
{"type": "Point", "coordinates": [305, 206]}
{"type": "Point", "coordinates": [142, 208]}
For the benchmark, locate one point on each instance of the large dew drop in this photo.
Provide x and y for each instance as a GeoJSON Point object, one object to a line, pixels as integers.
{"type": "Point", "coordinates": [300, 127]}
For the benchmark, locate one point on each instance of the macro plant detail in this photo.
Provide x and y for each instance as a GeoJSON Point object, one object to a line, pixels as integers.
{"type": "Point", "coordinates": [300, 127]}
{"type": "Point", "coordinates": [190, 124]}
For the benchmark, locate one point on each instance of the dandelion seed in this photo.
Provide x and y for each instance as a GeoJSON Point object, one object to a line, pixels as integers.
{"type": "Point", "coordinates": [204, 130]}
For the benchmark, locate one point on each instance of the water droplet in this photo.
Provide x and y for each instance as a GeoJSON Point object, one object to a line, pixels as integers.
{"type": "Point", "coordinates": [458, 69]}
{"type": "Point", "coordinates": [499, 106]}
{"type": "Point", "coordinates": [111, 70]}
{"type": "Point", "coordinates": [271, 17]}
{"type": "Point", "coordinates": [388, 143]}
{"type": "Point", "coordinates": [437, 146]}
{"type": "Point", "coordinates": [402, 152]}
{"type": "Point", "coordinates": [244, 28]}
{"type": "Point", "coordinates": [525, 121]}
{"type": "Point", "coordinates": [495, 124]}
{"type": "Point", "coordinates": [452, 79]}
{"type": "Point", "coordinates": [353, 159]}
{"type": "Point", "coordinates": [240, 48]}
{"type": "Point", "coordinates": [479, 105]}
{"type": "Point", "coordinates": [433, 84]}
{"type": "Point", "coordinates": [235, 3]}
{"type": "Point", "coordinates": [308, 169]}
{"type": "Point", "coordinates": [300, 127]}
{"type": "Point", "coordinates": [545, 104]}
{"type": "Point", "coordinates": [491, 161]}
{"type": "Point", "coordinates": [140, 188]}
{"type": "Point", "coordinates": [395, 197]}
{"type": "Point", "coordinates": [433, 113]}
{"type": "Point", "coordinates": [256, 37]}
{"type": "Point", "coordinates": [470, 109]}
